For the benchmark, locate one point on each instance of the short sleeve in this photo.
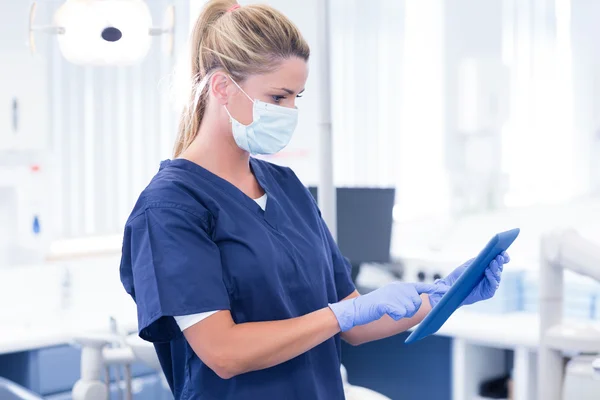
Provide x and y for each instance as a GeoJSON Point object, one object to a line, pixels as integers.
{"type": "Point", "coordinates": [171, 267]}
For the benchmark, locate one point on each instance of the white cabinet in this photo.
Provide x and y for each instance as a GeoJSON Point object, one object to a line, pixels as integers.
{"type": "Point", "coordinates": [23, 83]}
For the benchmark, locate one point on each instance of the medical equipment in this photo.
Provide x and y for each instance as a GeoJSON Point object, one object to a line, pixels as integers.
{"type": "Point", "coordinates": [24, 203]}
{"type": "Point", "coordinates": [563, 249]}
{"type": "Point", "coordinates": [94, 32]}
{"type": "Point", "coordinates": [463, 286]}
{"type": "Point", "coordinates": [423, 268]}
{"type": "Point", "coordinates": [580, 379]}
{"type": "Point", "coordinates": [97, 356]}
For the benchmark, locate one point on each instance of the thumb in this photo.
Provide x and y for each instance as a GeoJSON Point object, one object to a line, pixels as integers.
{"type": "Point", "coordinates": [428, 288]}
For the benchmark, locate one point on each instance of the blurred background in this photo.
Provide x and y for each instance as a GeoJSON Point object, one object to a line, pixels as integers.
{"type": "Point", "coordinates": [451, 121]}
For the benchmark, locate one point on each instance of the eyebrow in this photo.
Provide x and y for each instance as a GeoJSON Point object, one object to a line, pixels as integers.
{"type": "Point", "coordinates": [289, 91]}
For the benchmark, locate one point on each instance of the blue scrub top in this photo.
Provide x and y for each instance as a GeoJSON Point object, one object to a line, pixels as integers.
{"type": "Point", "coordinates": [195, 243]}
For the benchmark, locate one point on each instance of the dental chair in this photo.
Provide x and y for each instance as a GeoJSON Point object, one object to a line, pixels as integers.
{"type": "Point", "coordinates": [98, 353]}
{"type": "Point", "coordinates": [11, 391]}
{"type": "Point", "coordinates": [579, 378]}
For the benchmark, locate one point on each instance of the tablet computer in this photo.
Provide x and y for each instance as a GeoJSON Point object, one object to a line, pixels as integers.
{"type": "Point", "coordinates": [463, 286]}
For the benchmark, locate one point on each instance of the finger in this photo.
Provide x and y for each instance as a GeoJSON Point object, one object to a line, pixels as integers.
{"type": "Point", "coordinates": [427, 288]}
{"type": "Point", "coordinates": [397, 312]}
{"type": "Point", "coordinates": [498, 275]}
{"type": "Point", "coordinates": [501, 263]}
{"type": "Point", "coordinates": [417, 301]}
{"type": "Point", "coordinates": [494, 266]}
{"type": "Point", "coordinates": [410, 310]}
{"type": "Point", "coordinates": [492, 278]}
{"type": "Point", "coordinates": [506, 257]}
{"type": "Point", "coordinates": [441, 290]}
{"type": "Point", "coordinates": [498, 271]}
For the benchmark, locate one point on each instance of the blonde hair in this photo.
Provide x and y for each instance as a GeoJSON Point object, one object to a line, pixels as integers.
{"type": "Point", "coordinates": [241, 41]}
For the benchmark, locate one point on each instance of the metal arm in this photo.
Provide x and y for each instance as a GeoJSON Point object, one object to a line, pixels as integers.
{"type": "Point", "coordinates": [568, 250]}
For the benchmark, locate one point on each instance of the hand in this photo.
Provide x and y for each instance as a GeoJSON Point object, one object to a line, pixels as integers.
{"type": "Point", "coordinates": [398, 300]}
{"type": "Point", "coordinates": [484, 290]}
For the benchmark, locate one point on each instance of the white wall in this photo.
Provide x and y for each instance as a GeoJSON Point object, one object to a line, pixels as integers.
{"type": "Point", "coordinates": [24, 190]}
{"type": "Point", "coordinates": [367, 52]}
{"type": "Point", "coordinates": [586, 83]}
{"type": "Point", "coordinates": [539, 135]}
{"type": "Point", "coordinates": [547, 146]}
{"type": "Point", "coordinates": [394, 108]}
{"type": "Point", "coordinates": [473, 29]}
{"type": "Point", "coordinates": [23, 78]}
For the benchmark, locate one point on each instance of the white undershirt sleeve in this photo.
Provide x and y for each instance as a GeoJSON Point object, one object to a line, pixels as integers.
{"type": "Point", "coordinates": [185, 321]}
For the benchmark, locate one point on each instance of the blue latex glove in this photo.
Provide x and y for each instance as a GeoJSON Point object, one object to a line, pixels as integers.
{"type": "Point", "coordinates": [398, 300]}
{"type": "Point", "coordinates": [483, 291]}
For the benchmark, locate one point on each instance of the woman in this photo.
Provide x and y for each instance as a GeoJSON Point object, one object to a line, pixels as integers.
{"type": "Point", "coordinates": [236, 278]}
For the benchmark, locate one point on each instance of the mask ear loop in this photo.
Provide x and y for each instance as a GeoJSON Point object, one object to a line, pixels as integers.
{"type": "Point", "coordinates": [231, 119]}
{"type": "Point", "coordinates": [238, 86]}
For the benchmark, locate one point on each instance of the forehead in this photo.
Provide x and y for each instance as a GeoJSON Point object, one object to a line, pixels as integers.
{"type": "Point", "coordinates": [291, 73]}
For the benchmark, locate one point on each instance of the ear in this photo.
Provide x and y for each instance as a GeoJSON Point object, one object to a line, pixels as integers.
{"type": "Point", "coordinates": [219, 83]}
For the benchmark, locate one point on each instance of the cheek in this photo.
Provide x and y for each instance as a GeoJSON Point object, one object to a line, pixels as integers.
{"type": "Point", "coordinates": [241, 109]}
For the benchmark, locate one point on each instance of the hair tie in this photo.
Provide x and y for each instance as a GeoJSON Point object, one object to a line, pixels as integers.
{"type": "Point", "coordinates": [233, 8]}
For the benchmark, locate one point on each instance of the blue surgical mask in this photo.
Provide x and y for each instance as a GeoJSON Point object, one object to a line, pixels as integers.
{"type": "Point", "coordinates": [271, 129]}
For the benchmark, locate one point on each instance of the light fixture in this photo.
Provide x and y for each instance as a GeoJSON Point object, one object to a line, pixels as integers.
{"type": "Point", "coordinates": [104, 32]}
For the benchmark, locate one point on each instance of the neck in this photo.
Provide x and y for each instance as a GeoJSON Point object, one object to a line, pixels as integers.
{"type": "Point", "coordinates": [216, 150]}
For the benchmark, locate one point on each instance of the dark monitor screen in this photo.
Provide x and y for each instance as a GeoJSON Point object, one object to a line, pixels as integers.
{"type": "Point", "coordinates": [364, 223]}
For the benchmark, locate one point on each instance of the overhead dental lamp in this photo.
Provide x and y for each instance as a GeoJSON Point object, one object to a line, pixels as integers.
{"type": "Point", "coordinates": [104, 32]}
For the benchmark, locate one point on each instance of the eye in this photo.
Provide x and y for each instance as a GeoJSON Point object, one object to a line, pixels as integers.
{"type": "Point", "coordinates": [277, 99]}
{"type": "Point", "coordinates": [299, 96]}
